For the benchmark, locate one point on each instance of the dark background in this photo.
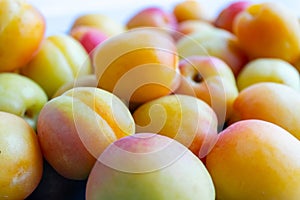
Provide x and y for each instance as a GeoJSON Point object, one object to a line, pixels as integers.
{"type": "Point", "coordinates": [55, 187]}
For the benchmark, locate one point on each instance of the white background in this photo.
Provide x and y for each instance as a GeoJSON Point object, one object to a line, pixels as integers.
{"type": "Point", "coordinates": [60, 14]}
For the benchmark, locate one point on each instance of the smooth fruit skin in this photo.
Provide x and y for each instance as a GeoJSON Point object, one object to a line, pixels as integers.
{"type": "Point", "coordinates": [61, 59]}
{"type": "Point", "coordinates": [152, 17]}
{"type": "Point", "coordinates": [83, 81]}
{"type": "Point", "coordinates": [190, 26]}
{"type": "Point", "coordinates": [215, 42]}
{"type": "Point", "coordinates": [226, 16]}
{"type": "Point", "coordinates": [21, 161]}
{"type": "Point", "coordinates": [211, 80]}
{"type": "Point", "coordinates": [88, 37]}
{"type": "Point", "coordinates": [273, 102]}
{"type": "Point", "coordinates": [75, 127]}
{"type": "Point", "coordinates": [184, 118]}
{"type": "Point", "coordinates": [268, 70]}
{"type": "Point", "coordinates": [138, 66]}
{"type": "Point", "coordinates": [21, 96]}
{"type": "Point", "coordinates": [99, 21]}
{"type": "Point", "coordinates": [182, 177]}
{"type": "Point", "coordinates": [268, 30]}
{"type": "Point", "coordinates": [21, 33]}
{"type": "Point", "coordinates": [255, 159]}
{"type": "Point", "coordinates": [189, 10]}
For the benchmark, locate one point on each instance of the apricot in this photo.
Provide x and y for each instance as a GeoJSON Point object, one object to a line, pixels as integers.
{"type": "Point", "coordinates": [273, 102]}
{"type": "Point", "coordinates": [211, 80]}
{"type": "Point", "coordinates": [75, 128]}
{"type": "Point", "coordinates": [61, 59]}
{"type": "Point", "coordinates": [22, 29]}
{"type": "Point", "coordinates": [226, 16]}
{"type": "Point", "coordinates": [103, 23]}
{"type": "Point", "coordinates": [21, 160]}
{"type": "Point", "coordinates": [190, 26]}
{"type": "Point", "coordinates": [152, 17]}
{"type": "Point", "coordinates": [138, 66]}
{"type": "Point", "coordinates": [255, 159]}
{"type": "Point", "coordinates": [215, 42]}
{"type": "Point", "coordinates": [149, 166]}
{"type": "Point", "coordinates": [268, 70]}
{"type": "Point", "coordinates": [186, 119]}
{"type": "Point", "coordinates": [189, 10]}
{"type": "Point", "coordinates": [88, 37]}
{"type": "Point", "coordinates": [268, 30]}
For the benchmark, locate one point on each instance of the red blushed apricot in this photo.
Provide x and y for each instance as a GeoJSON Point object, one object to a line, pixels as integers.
{"type": "Point", "coordinates": [89, 37]}
{"type": "Point", "coordinates": [152, 17]}
{"type": "Point", "coordinates": [211, 80]}
{"type": "Point", "coordinates": [75, 128]}
{"type": "Point", "coordinates": [99, 21]}
{"type": "Point", "coordinates": [226, 17]}
{"type": "Point", "coordinates": [149, 166]}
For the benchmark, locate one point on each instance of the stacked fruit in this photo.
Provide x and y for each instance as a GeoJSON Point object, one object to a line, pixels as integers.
{"type": "Point", "coordinates": [171, 105]}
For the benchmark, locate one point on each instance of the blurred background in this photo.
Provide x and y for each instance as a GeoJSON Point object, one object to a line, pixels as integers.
{"type": "Point", "coordinates": [61, 13]}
